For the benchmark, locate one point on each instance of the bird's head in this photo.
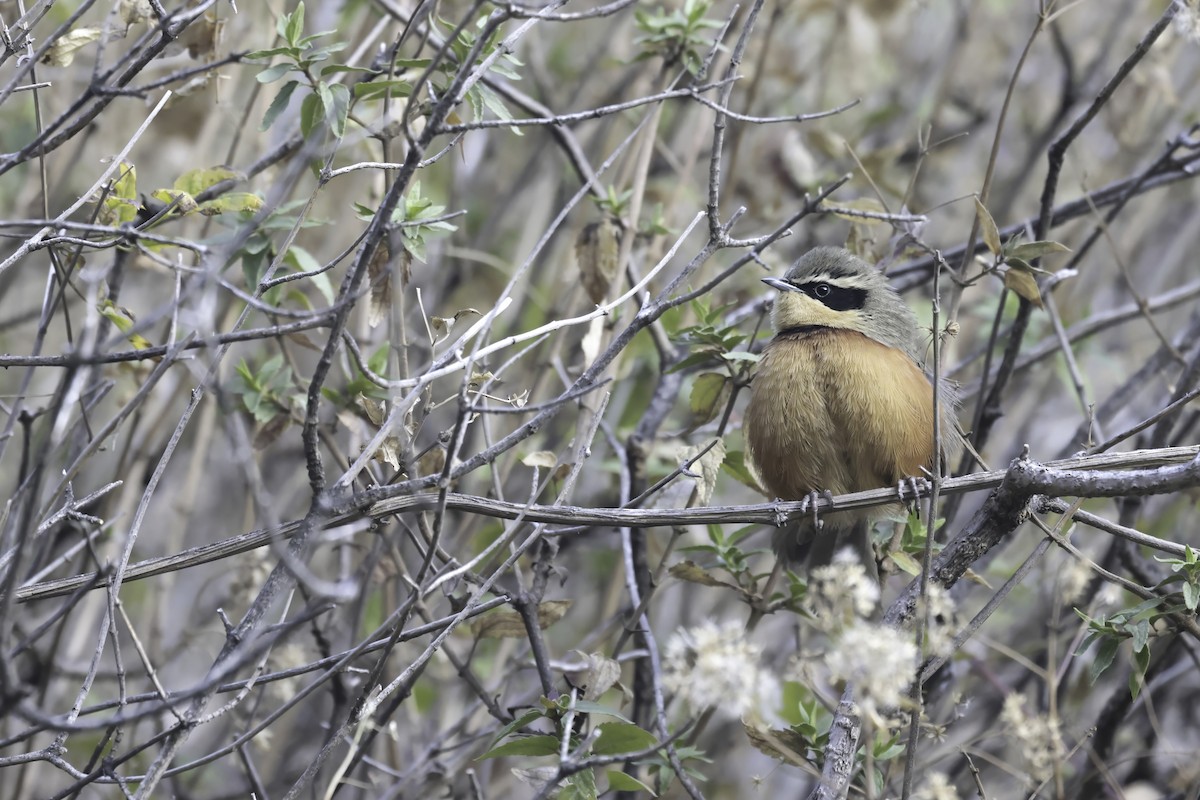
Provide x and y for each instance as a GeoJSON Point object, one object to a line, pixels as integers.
{"type": "Point", "coordinates": [831, 288]}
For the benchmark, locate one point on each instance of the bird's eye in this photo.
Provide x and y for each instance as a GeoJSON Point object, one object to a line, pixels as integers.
{"type": "Point", "coordinates": [821, 291]}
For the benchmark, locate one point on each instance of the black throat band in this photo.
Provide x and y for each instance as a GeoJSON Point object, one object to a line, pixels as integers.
{"type": "Point", "coordinates": [801, 330]}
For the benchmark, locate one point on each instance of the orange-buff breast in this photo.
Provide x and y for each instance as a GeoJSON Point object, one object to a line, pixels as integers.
{"type": "Point", "coordinates": [832, 409]}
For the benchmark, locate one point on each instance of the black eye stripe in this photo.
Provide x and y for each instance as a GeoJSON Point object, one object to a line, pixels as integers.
{"type": "Point", "coordinates": [835, 298]}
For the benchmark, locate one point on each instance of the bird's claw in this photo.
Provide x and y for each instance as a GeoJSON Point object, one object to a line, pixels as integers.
{"type": "Point", "coordinates": [917, 486]}
{"type": "Point", "coordinates": [809, 503]}
{"type": "Point", "coordinates": [781, 516]}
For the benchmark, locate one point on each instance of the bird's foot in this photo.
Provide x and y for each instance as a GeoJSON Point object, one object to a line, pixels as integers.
{"type": "Point", "coordinates": [915, 486]}
{"type": "Point", "coordinates": [809, 503]}
{"type": "Point", "coordinates": [780, 515]}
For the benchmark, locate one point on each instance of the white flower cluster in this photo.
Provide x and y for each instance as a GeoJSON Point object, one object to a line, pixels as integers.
{"type": "Point", "coordinates": [939, 635]}
{"type": "Point", "coordinates": [1187, 19]}
{"type": "Point", "coordinates": [936, 787]}
{"type": "Point", "coordinates": [1038, 736]}
{"type": "Point", "coordinates": [879, 661]}
{"type": "Point", "coordinates": [716, 666]}
{"type": "Point", "coordinates": [840, 592]}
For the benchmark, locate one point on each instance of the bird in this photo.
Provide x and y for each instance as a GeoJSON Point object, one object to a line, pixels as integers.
{"type": "Point", "coordinates": [840, 401]}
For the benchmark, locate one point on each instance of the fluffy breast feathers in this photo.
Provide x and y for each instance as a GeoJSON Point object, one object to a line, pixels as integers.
{"type": "Point", "coordinates": [832, 409]}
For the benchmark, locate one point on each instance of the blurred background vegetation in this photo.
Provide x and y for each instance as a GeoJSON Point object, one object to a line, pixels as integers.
{"type": "Point", "coordinates": [165, 166]}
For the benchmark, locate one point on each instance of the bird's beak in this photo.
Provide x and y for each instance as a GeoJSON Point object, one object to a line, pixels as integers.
{"type": "Point", "coordinates": [780, 285]}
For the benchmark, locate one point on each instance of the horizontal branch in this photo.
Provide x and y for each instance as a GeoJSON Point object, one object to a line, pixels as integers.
{"type": "Point", "coordinates": [1137, 466]}
{"type": "Point", "coordinates": [320, 320]}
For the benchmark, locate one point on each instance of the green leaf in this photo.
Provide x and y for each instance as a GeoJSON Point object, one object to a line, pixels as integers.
{"type": "Point", "coordinates": [1137, 678]}
{"type": "Point", "coordinates": [252, 267]}
{"type": "Point", "coordinates": [303, 261]}
{"type": "Point", "coordinates": [1138, 609]}
{"type": "Point", "coordinates": [887, 750]}
{"type": "Point", "coordinates": [322, 89]}
{"type": "Point", "coordinates": [708, 393]}
{"type": "Point", "coordinates": [337, 69]}
{"type": "Point", "coordinates": [537, 745]}
{"type": "Point", "coordinates": [274, 73]}
{"type": "Point", "coordinates": [528, 718]}
{"type": "Point", "coordinates": [1087, 640]}
{"type": "Point", "coordinates": [1141, 635]}
{"type": "Point", "coordinates": [622, 737]}
{"type": "Point", "coordinates": [181, 202]}
{"type": "Point", "coordinates": [311, 114]}
{"type": "Point", "coordinates": [118, 211]}
{"type": "Point", "coordinates": [1105, 653]}
{"type": "Point", "coordinates": [906, 562]}
{"type": "Point", "coordinates": [270, 369]}
{"type": "Point", "coordinates": [195, 181]}
{"type": "Point", "coordinates": [123, 320]}
{"type": "Point", "coordinates": [626, 783]}
{"type": "Point", "coordinates": [375, 90]}
{"type": "Point", "coordinates": [259, 55]}
{"type": "Point", "coordinates": [293, 24]}
{"type": "Point", "coordinates": [233, 202]}
{"type": "Point", "coordinates": [735, 465]}
{"type": "Point", "coordinates": [321, 53]}
{"type": "Point", "coordinates": [580, 786]}
{"type": "Point", "coordinates": [1191, 596]}
{"type": "Point", "coordinates": [125, 186]}
{"type": "Point", "coordinates": [1031, 250]}
{"type": "Point", "coordinates": [378, 361]}
{"type": "Point", "coordinates": [338, 109]}
{"type": "Point", "coordinates": [278, 105]}
{"type": "Point", "coordinates": [991, 234]}
{"type": "Point", "coordinates": [492, 102]}
{"type": "Point", "coordinates": [590, 707]}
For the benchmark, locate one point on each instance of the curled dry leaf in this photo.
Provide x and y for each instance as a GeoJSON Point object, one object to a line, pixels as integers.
{"type": "Point", "coordinates": [441, 326]}
{"type": "Point", "coordinates": [598, 676]}
{"type": "Point", "coordinates": [706, 468]}
{"type": "Point", "coordinates": [540, 458]}
{"type": "Point", "coordinates": [433, 462]}
{"type": "Point", "coordinates": [133, 11]}
{"type": "Point", "coordinates": [545, 459]}
{"type": "Point", "coordinates": [692, 572]}
{"type": "Point", "coordinates": [1023, 283]}
{"type": "Point", "coordinates": [991, 234]}
{"type": "Point", "coordinates": [596, 250]}
{"type": "Point", "coordinates": [62, 52]}
{"type": "Point", "coordinates": [381, 284]}
{"type": "Point", "coordinates": [389, 451]}
{"type": "Point", "coordinates": [505, 623]}
{"type": "Point", "coordinates": [201, 36]}
{"type": "Point", "coordinates": [536, 777]}
{"type": "Point", "coordinates": [783, 744]}
{"type": "Point", "coordinates": [267, 433]}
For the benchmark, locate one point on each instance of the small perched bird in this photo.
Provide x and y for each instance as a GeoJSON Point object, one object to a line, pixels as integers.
{"type": "Point", "coordinates": [840, 402]}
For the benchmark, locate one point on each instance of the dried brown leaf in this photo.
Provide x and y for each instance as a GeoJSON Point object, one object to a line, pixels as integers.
{"type": "Point", "coordinates": [707, 468]}
{"type": "Point", "coordinates": [505, 623]}
{"type": "Point", "coordinates": [782, 744]}
{"type": "Point", "coordinates": [1024, 284]}
{"type": "Point", "coordinates": [596, 250]}
{"type": "Point", "coordinates": [991, 234]}
{"type": "Point", "coordinates": [62, 52]}
{"type": "Point", "coordinates": [381, 284]}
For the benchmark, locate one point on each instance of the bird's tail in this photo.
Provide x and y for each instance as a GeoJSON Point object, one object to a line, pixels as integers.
{"type": "Point", "coordinates": [800, 544]}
